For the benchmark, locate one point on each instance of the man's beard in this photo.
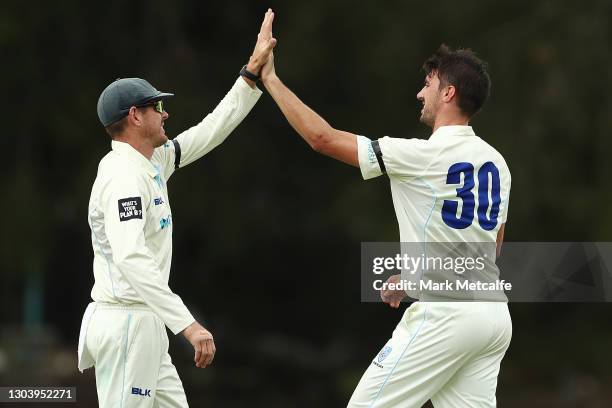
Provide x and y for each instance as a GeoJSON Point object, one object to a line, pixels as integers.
{"type": "Point", "coordinates": [427, 118]}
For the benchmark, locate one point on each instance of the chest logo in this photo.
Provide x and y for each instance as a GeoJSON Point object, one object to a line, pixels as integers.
{"type": "Point", "coordinates": [165, 222]}
{"type": "Point", "coordinates": [158, 201]}
{"type": "Point", "coordinates": [384, 353]}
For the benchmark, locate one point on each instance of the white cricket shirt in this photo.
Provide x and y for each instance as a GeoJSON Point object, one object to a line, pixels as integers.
{"type": "Point", "coordinates": [130, 216]}
{"type": "Point", "coordinates": [453, 187]}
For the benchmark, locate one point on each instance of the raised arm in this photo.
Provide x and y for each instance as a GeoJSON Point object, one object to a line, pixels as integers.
{"type": "Point", "coordinates": [319, 135]}
{"type": "Point", "coordinates": [200, 139]}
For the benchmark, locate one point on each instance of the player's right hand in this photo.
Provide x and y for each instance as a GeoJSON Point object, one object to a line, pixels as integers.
{"type": "Point", "coordinates": [392, 297]}
{"type": "Point", "coordinates": [202, 342]}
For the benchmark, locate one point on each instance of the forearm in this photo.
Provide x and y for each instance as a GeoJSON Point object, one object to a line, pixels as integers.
{"type": "Point", "coordinates": [143, 275]}
{"type": "Point", "coordinates": [319, 135]}
{"type": "Point", "coordinates": [216, 126]}
{"type": "Point", "coordinates": [311, 127]}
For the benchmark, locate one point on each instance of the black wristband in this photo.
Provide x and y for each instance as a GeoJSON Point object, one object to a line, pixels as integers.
{"type": "Point", "coordinates": [249, 75]}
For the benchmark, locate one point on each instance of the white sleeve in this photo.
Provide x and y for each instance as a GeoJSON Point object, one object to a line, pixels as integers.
{"type": "Point", "coordinates": [405, 157]}
{"type": "Point", "coordinates": [368, 163]}
{"type": "Point", "coordinates": [396, 157]}
{"type": "Point", "coordinates": [200, 139]}
{"type": "Point", "coordinates": [125, 207]}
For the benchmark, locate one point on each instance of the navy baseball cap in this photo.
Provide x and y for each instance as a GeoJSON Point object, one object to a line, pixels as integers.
{"type": "Point", "coordinates": [116, 100]}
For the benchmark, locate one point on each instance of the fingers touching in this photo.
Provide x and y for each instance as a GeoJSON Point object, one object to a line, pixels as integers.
{"type": "Point", "coordinates": [265, 44]}
{"type": "Point", "coordinates": [266, 26]}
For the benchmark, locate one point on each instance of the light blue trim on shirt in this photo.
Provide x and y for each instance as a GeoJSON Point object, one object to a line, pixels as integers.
{"type": "Point", "coordinates": [157, 177]}
{"type": "Point", "coordinates": [433, 206]}
{"type": "Point", "coordinates": [401, 355]}
{"type": "Point", "coordinates": [127, 333]}
{"type": "Point", "coordinates": [103, 254]}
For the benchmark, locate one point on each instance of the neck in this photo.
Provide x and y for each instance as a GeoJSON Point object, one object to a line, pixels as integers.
{"type": "Point", "coordinates": [140, 144]}
{"type": "Point", "coordinates": [450, 120]}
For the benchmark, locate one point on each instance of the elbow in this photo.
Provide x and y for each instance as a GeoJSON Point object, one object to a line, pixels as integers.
{"type": "Point", "coordinates": [320, 141]}
{"type": "Point", "coordinates": [124, 259]}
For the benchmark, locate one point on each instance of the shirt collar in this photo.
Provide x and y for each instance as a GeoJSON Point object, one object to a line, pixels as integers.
{"type": "Point", "coordinates": [455, 130]}
{"type": "Point", "coordinates": [126, 150]}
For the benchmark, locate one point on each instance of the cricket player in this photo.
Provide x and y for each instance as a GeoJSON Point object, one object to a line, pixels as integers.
{"type": "Point", "coordinates": [452, 187]}
{"type": "Point", "coordinates": [123, 333]}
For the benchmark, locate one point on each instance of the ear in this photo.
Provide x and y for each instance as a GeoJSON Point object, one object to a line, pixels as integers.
{"type": "Point", "coordinates": [135, 116]}
{"type": "Point", "coordinates": [449, 93]}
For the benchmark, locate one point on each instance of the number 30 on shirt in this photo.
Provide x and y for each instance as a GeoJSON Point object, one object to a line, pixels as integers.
{"type": "Point", "coordinates": [488, 178]}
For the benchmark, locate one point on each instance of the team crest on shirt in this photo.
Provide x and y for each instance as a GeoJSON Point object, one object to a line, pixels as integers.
{"type": "Point", "coordinates": [384, 353]}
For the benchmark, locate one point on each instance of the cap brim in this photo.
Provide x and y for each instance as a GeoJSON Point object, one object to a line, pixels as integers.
{"type": "Point", "coordinates": [164, 95]}
{"type": "Point", "coordinates": [158, 96]}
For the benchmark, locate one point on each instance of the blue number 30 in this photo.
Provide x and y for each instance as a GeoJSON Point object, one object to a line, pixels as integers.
{"type": "Point", "coordinates": [449, 209]}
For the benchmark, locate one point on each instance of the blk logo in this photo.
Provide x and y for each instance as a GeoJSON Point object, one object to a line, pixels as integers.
{"type": "Point", "coordinates": [141, 392]}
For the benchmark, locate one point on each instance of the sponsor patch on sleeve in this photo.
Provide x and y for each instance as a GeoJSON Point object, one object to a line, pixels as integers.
{"type": "Point", "coordinates": [130, 208]}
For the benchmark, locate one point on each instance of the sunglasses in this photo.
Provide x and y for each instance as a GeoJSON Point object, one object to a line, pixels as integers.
{"type": "Point", "coordinates": [157, 105]}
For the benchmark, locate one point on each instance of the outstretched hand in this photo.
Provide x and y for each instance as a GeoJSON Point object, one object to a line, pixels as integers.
{"type": "Point", "coordinates": [264, 45]}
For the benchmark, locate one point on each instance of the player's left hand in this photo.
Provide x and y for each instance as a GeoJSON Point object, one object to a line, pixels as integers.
{"type": "Point", "coordinates": [392, 297]}
{"type": "Point", "coordinates": [264, 45]}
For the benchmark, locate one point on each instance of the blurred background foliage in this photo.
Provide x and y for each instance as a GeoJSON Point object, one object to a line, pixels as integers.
{"type": "Point", "coordinates": [267, 233]}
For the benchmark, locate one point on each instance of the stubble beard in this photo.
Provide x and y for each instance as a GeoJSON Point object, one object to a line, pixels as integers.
{"type": "Point", "coordinates": [427, 118]}
{"type": "Point", "coordinates": [160, 138]}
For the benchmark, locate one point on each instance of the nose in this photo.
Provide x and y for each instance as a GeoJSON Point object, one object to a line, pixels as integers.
{"type": "Point", "coordinates": [165, 115]}
{"type": "Point", "coordinates": [420, 96]}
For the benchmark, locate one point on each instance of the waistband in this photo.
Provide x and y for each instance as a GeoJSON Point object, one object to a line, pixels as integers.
{"type": "Point", "coordinates": [122, 306]}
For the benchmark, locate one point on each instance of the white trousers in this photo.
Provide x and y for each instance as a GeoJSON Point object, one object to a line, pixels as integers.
{"type": "Point", "coordinates": [128, 345]}
{"type": "Point", "coordinates": [449, 352]}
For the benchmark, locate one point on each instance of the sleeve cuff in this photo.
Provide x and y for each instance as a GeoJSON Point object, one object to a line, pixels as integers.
{"type": "Point", "coordinates": [242, 86]}
{"type": "Point", "coordinates": [182, 325]}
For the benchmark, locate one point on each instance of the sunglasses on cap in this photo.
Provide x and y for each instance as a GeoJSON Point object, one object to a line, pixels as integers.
{"type": "Point", "coordinates": [157, 105]}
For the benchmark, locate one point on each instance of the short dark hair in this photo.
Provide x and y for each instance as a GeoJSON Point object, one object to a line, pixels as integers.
{"type": "Point", "coordinates": [115, 128]}
{"type": "Point", "coordinates": [466, 72]}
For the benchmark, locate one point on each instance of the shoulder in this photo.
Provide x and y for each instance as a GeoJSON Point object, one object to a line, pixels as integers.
{"type": "Point", "coordinates": [117, 173]}
{"type": "Point", "coordinates": [400, 146]}
{"type": "Point", "coordinates": [403, 142]}
{"type": "Point", "coordinates": [114, 164]}
{"type": "Point", "coordinates": [492, 152]}
{"type": "Point", "coordinates": [161, 153]}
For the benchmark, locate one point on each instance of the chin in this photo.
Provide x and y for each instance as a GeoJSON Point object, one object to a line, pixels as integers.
{"type": "Point", "coordinates": [162, 140]}
{"type": "Point", "coordinates": [426, 120]}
